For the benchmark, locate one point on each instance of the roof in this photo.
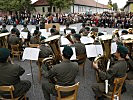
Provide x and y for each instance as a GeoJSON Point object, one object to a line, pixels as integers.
{"type": "Point", "coordinates": [128, 2]}
{"type": "Point", "coordinates": [91, 3]}
{"type": "Point", "coordinates": [41, 3]}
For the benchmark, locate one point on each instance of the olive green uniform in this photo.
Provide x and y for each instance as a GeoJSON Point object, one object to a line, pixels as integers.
{"type": "Point", "coordinates": [65, 73]}
{"type": "Point", "coordinates": [10, 75]}
{"type": "Point", "coordinates": [117, 70]}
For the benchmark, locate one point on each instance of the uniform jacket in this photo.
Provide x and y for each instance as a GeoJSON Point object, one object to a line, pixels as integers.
{"type": "Point", "coordinates": [65, 72]}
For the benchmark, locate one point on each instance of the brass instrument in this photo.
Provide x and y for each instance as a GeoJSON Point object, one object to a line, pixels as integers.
{"type": "Point", "coordinates": [93, 34]}
{"type": "Point", "coordinates": [3, 40]}
{"type": "Point", "coordinates": [53, 41]}
{"type": "Point", "coordinates": [68, 36]}
{"type": "Point", "coordinates": [127, 40]}
{"type": "Point", "coordinates": [103, 60]}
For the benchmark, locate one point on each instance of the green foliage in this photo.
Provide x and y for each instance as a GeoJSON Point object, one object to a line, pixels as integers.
{"type": "Point", "coordinates": [16, 5]}
{"type": "Point", "coordinates": [115, 6]}
{"type": "Point", "coordinates": [62, 4]}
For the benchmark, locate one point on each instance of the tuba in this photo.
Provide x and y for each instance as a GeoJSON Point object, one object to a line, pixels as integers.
{"type": "Point", "coordinates": [102, 61]}
{"type": "Point", "coordinates": [53, 42]}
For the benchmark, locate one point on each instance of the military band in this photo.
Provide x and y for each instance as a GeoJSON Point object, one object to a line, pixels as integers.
{"type": "Point", "coordinates": [64, 71]}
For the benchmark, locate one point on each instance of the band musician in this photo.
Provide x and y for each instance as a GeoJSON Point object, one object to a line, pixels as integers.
{"type": "Point", "coordinates": [116, 71]}
{"type": "Point", "coordinates": [65, 74]}
{"type": "Point", "coordinates": [10, 75]}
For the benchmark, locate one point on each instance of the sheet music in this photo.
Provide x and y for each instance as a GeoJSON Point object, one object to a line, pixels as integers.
{"type": "Point", "coordinates": [46, 34]}
{"type": "Point", "coordinates": [68, 31]}
{"type": "Point", "coordinates": [113, 47]}
{"type": "Point", "coordinates": [24, 35]}
{"type": "Point", "coordinates": [32, 31]}
{"type": "Point", "coordinates": [91, 51]}
{"type": "Point", "coordinates": [94, 50]}
{"type": "Point", "coordinates": [74, 53]}
{"type": "Point", "coordinates": [62, 29]}
{"type": "Point", "coordinates": [49, 29]}
{"type": "Point", "coordinates": [31, 53]}
{"type": "Point", "coordinates": [4, 34]}
{"type": "Point", "coordinates": [128, 36]}
{"type": "Point", "coordinates": [86, 40]}
{"type": "Point", "coordinates": [43, 30]}
{"type": "Point", "coordinates": [64, 41]}
{"type": "Point", "coordinates": [99, 49]}
{"type": "Point", "coordinates": [11, 28]}
{"type": "Point", "coordinates": [75, 28]}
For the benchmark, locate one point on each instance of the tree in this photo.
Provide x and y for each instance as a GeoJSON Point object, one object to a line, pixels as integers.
{"type": "Point", "coordinates": [16, 5]}
{"type": "Point", "coordinates": [62, 4]}
{"type": "Point", "coordinates": [110, 4]}
{"type": "Point", "coordinates": [115, 6]}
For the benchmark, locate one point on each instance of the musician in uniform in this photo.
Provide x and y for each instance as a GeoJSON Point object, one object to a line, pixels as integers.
{"type": "Point", "coordinates": [82, 30]}
{"type": "Point", "coordinates": [116, 71]}
{"type": "Point", "coordinates": [10, 75]}
{"type": "Point", "coordinates": [124, 32]}
{"type": "Point", "coordinates": [36, 38]}
{"type": "Point", "coordinates": [94, 32]}
{"type": "Point", "coordinates": [67, 28]}
{"type": "Point", "coordinates": [15, 28]}
{"type": "Point", "coordinates": [130, 68]}
{"type": "Point", "coordinates": [65, 73]}
{"type": "Point", "coordinates": [4, 30]}
{"type": "Point", "coordinates": [79, 47]}
{"type": "Point", "coordinates": [45, 51]}
{"type": "Point", "coordinates": [26, 30]}
{"type": "Point", "coordinates": [13, 39]}
{"type": "Point", "coordinates": [130, 31]}
{"type": "Point", "coordinates": [56, 31]}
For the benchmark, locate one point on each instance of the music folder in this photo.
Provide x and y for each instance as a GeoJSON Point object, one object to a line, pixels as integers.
{"type": "Point", "coordinates": [93, 50]}
{"type": "Point", "coordinates": [30, 53]}
{"type": "Point", "coordinates": [64, 41]}
{"type": "Point", "coordinates": [24, 35]}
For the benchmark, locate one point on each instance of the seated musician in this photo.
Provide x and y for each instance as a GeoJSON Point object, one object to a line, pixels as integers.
{"type": "Point", "coordinates": [4, 30]}
{"type": "Point", "coordinates": [26, 30]}
{"type": "Point", "coordinates": [116, 71]}
{"type": "Point", "coordinates": [56, 31]}
{"type": "Point", "coordinates": [13, 39]}
{"type": "Point", "coordinates": [36, 38]}
{"type": "Point", "coordinates": [82, 30]}
{"type": "Point", "coordinates": [10, 75]}
{"type": "Point", "coordinates": [45, 51]}
{"type": "Point", "coordinates": [65, 73]}
{"type": "Point", "coordinates": [37, 28]}
{"type": "Point", "coordinates": [116, 36]}
{"type": "Point", "coordinates": [130, 31]}
{"type": "Point", "coordinates": [79, 47]}
{"type": "Point", "coordinates": [67, 28]}
{"type": "Point", "coordinates": [15, 28]}
{"type": "Point", "coordinates": [124, 32]}
{"type": "Point", "coordinates": [93, 32]}
{"type": "Point", "coordinates": [130, 68]}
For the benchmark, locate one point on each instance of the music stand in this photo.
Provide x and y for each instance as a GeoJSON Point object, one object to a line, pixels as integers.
{"type": "Point", "coordinates": [31, 54]}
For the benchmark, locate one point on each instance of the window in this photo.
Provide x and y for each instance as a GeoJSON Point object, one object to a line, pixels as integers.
{"type": "Point", "coordinates": [54, 10]}
{"type": "Point", "coordinates": [43, 9]}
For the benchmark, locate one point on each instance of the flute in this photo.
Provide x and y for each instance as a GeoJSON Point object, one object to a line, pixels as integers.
{"type": "Point", "coordinates": [106, 81]}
